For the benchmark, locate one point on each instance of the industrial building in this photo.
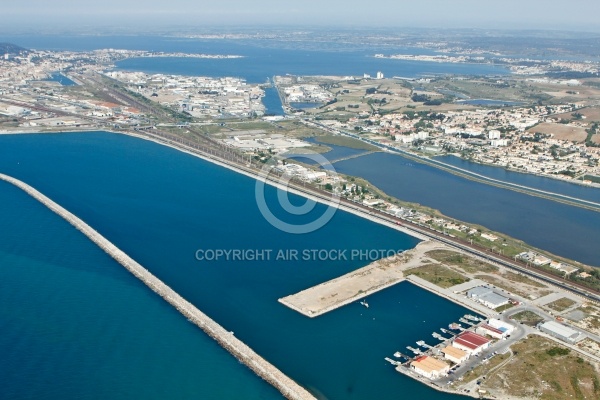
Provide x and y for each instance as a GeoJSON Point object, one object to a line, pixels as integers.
{"type": "Point", "coordinates": [486, 329]}
{"type": "Point", "coordinates": [487, 297]}
{"type": "Point", "coordinates": [501, 325]}
{"type": "Point", "coordinates": [561, 332]}
{"type": "Point", "coordinates": [430, 367]}
{"type": "Point", "coordinates": [471, 342]}
{"type": "Point", "coordinates": [455, 354]}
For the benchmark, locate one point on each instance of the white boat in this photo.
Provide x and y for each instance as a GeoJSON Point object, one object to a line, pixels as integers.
{"type": "Point", "coordinates": [364, 303]}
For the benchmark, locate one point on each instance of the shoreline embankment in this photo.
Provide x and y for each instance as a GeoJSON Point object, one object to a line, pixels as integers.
{"type": "Point", "coordinates": [375, 216]}
{"type": "Point", "coordinates": [255, 174]}
{"type": "Point", "coordinates": [288, 387]}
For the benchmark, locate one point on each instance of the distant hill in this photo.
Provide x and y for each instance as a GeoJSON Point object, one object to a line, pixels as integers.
{"type": "Point", "coordinates": [11, 49]}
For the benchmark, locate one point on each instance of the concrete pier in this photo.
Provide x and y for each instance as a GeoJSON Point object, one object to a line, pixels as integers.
{"type": "Point", "coordinates": [288, 388]}
{"type": "Point", "coordinates": [358, 284]}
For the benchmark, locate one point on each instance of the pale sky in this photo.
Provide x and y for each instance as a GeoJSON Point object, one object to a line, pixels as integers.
{"type": "Point", "coordinates": [511, 14]}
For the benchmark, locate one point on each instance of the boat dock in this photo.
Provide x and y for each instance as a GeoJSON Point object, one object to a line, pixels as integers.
{"type": "Point", "coordinates": [457, 327]}
{"type": "Point", "coordinates": [400, 355]}
{"type": "Point", "coordinates": [415, 351]}
{"type": "Point", "coordinates": [435, 350]}
{"type": "Point", "coordinates": [446, 331]}
{"type": "Point", "coordinates": [472, 318]}
{"type": "Point", "coordinates": [425, 345]}
{"type": "Point", "coordinates": [393, 362]}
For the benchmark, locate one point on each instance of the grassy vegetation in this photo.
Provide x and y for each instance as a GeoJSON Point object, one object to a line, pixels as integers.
{"type": "Point", "coordinates": [561, 304]}
{"type": "Point", "coordinates": [504, 307]}
{"type": "Point", "coordinates": [346, 141]}
{"type": "Point", "coordinates": [542, 369]}
{"type": "Point", "coordinates": [466, 263]}
{"type": "Point", "coordinates": [516, 277]}
{"type": "Point", "coordinates": [483, 369]}
{"type": "Point", "coordinates": [319, 148]}
{"type": "Point", "coordinates": [589, 309]}
{"type": "Point", "coordinates": [250, 125]}
{"type": "Point", "coordinates": [509, 246]}
{"type": "Point", "coordinates": [592, 178]}
{"type": "Point", "coordinates": [484, 88]}
{"type": "Point", "coordinates": [528, 318]}
{"type": "Point", "coordinates": [589, 345]}
{"type": "Point", "coordinates": [210, 129]}
{"type": "Point", "coordinates": [438, 274]}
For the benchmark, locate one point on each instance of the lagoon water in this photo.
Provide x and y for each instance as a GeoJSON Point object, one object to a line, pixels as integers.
{"type": "Point", "coordinates": [60, 78]}
{"type": "Point", "coordinates": [262, 61]}
{"type": "Point", "coordinates": [160, 206]}
{"type": "Point", "coordinates": [336, 152]}
{"type": "Point", "coordinates": [561, 229]}
{"type": "Point", "coordinates": [262, 58]}
{"type": "Point", "coordinates": [75, 324]}
{"type": "Point", "coordinates": [579, 191]}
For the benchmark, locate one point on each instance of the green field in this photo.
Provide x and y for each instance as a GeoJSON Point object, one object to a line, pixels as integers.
{"type": "Point", "coordinates": [345, 141]}
{"type": "Point", "coordinates": [438, 274]}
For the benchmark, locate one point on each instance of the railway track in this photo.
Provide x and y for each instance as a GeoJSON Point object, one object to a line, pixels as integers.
{"type": "Point", "coordinates": [216, 150]}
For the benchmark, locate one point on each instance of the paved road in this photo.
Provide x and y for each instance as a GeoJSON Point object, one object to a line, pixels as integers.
{"type": "Point", "coordinates": [547, 316]}
{"type": "Point", "coordinates": [500, 346]}
{"type": "Point", "coordinates": [503, 346]}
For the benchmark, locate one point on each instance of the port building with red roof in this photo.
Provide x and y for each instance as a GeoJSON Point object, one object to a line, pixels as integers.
{"type": "Point", "coordinates": [471, 342]}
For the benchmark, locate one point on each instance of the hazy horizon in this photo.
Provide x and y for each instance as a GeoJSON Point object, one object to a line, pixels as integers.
{"type": "Point", "coordinates": [37, 15]}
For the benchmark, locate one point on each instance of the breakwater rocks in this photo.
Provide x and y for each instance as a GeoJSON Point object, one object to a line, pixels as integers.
{"type": "Point", "coordinates": [288, 387]}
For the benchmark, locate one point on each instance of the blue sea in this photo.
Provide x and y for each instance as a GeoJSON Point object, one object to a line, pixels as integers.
{"type": "Point", "coordinates": [76, 325]}
{"type": "Point", "coordinates": [76, 322]}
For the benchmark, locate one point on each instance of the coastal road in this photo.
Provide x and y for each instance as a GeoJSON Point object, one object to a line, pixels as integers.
{"type": "Point", "coordinates": [506, 316]}
{"type": "Point", "coordinates": [483, 253]}
{"type": "Point", "coordinates": [499, 347]}
{"type": "Point", "coordinates": [572, 201]}
{"type": "Point", "coordinates": [213, 150]}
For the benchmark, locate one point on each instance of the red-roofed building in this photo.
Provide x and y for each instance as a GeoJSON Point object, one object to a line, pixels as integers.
{"type": "Point", "coordinates": [430, 367]}
{"type": "Point", "coordinates": [471, 342]}
{"type": "Point", "coordinates": [490, 331]}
